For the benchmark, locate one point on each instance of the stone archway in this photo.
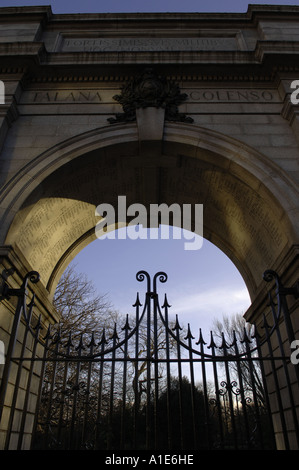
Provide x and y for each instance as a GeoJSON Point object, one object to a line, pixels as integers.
{"type": "Point", "coordinates": [242, 214]}
{"type": "Point", "coordinates": [245, 212]}
{"type": "Point", "coordinates": [235, 150]}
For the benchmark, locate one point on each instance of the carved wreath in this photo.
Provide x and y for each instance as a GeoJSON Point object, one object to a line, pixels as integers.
{"type": "Point", "coordinates": [149, 90]}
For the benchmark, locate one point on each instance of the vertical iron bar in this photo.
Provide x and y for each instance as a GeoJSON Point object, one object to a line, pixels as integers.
{"type": "Point", "coordinates": [205, 390]}
{"type": "Point", "coordinates": [290, 333]}
{"type": "Point", "coordinates": [88, 382]}
{"type": "Point", "coordinates": [140, 276]}
{"type": "Point", "coordinates": [73, 435]}
{"type": "Point", "coordinates": [265, 386]}
{"type": "Point", "coordinates": [68, 346]}
{"type": "Point", "coordinates": [282, 293]}
{"type": "Point", "coordinates": [177, 328]}
{"type": "Point", "coordinates": [217, 394]}
{"type": "Point", "coordinates": [169, 424]}
{"type": "Point", "coordinates": [124, 390]}
{"type": "Point", "coordinates": [255, 398]}
{"type": "Point", "coordinates": [191, 362]}
{"type": "Point", "coordinates": [111, 396]}
{"type": "Point", "coordinates": [28, 385]}
{"type": "Point", "coordinates": [21, 293]}
{"type": "Point", "coordinates": [10, 351]}
{"type": "Point", "coordinates": [226, 418]}
{"type": "Point", "coordinates": [136, 376]}
{"type": "Point", "coordinates": [155, 355]}
{"type": "Point", "coordinates": [243, 400]}
{"type": "Point", "coordinates": [100, 392]}
{"type": "Point", "coordinates": [276, 382]}
{"type": "Point", "coordinates": [240, 421]}
{"type": "Point", "coordinates": [229, 390]}
{"type": "Point", "coordinates": [148, 374]}
{"type": "Point", "coordinates": [55, 341]}
{"type": "Point", "coordinates": [40, 387]}
{"type": "Point", "coordinates": [18, 378]}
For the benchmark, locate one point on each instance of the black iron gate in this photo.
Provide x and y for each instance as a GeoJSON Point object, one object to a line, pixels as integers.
{"type": "Point", "coordinates": [150, 384]}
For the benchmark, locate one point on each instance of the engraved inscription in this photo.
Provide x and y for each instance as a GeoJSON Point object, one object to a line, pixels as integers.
{"type": "Point", "coordinates": [65, 210]}
{"type": "Point", "coordinates": [147, 44]}
{"type": "Point", "coordinates": [54, 225]}
{"type": "Point", "coordinates": [238, 215]}
{"type": "Point", "coordinates": [69, 96]}
{"type": "Point", "coordinates": [223, 95]}
{"type": "Point", "coordinates": [102, 95]}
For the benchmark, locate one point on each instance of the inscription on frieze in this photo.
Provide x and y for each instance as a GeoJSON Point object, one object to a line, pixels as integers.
{"type": "Point", "coordinates": [147, 44]}
{"type": "Point", "coordinates": [246, 95]}
{"type": "Point", "coordinates": [102, 95]}
{"type": "Point", "coordinates": [226, 201]}
{"type": "Point", "coordinates": [63, 96]}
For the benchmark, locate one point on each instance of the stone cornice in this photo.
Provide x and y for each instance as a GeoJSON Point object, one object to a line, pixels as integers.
{"type": "Point", "coordinates": [36, 51]}
{"type": "Point", "coordinates": [275, 47]}
{"type": "Point", "coordinates": [24, 49]}
{"type": "Point", "coordinates": [17, 13]}
{"type": "Point", "coordinates": [25, 12]}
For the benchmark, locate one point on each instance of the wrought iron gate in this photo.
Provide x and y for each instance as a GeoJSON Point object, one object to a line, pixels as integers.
{"type": "Point", "coordinates": [149, 385]}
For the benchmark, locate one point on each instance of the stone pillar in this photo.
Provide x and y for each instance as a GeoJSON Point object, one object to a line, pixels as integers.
{"type": "Point", "coordinates": [282, 380]}
{"type": "Point", "coordinates": [14, 269]}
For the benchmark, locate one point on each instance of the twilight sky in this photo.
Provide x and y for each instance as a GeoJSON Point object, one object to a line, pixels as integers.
{"type": "Point", "coordinates": [106, 6]}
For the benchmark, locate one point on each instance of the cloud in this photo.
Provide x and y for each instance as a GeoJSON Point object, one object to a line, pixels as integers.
{"type": "Point", "coordinates": [201, 310]}
{"type": "Point", "coordinates": [212, 302]}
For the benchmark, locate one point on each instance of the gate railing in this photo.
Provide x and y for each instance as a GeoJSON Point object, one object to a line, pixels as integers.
{"type": "Point", "coordinates": [149, 384]}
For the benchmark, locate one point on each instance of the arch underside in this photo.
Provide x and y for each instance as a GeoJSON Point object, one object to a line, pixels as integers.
{"type": "Point", "coordinates": [240, 215]}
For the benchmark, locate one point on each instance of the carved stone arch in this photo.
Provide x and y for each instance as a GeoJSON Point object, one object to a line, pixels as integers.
{"type": "Point", "coordinates": [247, 198]}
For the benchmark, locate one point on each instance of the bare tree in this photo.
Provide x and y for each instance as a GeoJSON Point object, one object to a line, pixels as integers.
{"type": "Point", "coordinates": [82, 309]}
{"type": "Point", "coordinates": [85, 312]}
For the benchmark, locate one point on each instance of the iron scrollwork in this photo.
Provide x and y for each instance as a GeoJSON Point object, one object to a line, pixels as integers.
{"type": "Point", "coordinates": [229, 387]}
{"type": "Point", "coordinates": [129, 390]}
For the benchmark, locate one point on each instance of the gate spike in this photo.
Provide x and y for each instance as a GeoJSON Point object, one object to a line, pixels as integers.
{"type": "Point", "coordinates": [80, 345]}
{"type": "Point", "coordinates": [69, 342]}
{"type": "Point", "coordinates": [166, 304]}
{"type": "Point", "coordinates": [56, 338]}
{"type": "Point", "coordinates": [255, 333]}
{"type": "Point", "coordinates": [177, 325]}
{"type": "Point", "coordinates": [127, 326]}
{"type": "Point", "coordinates": [48, 334]}
{"type": "Point", "coordinates": [234, 339]}
{"type": "Point", "coordinates": [114, 334]}
{"type": "Point", "coordinates": [189, 334]}
{"type": "Point", "coordinates": [245, 336]}
{"type": "Point", "coordinates": [38, 325]}
{"type": "Point", "coordinates": [200, 340]}
{"type": "Point", "coordinates": [212, 341]}
{"type": "Point", "coordinates": [92, 341]}
{"type": "Point", "coordinates": [224, 344]}
{"type": "Point", "coordinates": [137, 302]}
{"type": "Point", "coordinates": [103, 339]}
